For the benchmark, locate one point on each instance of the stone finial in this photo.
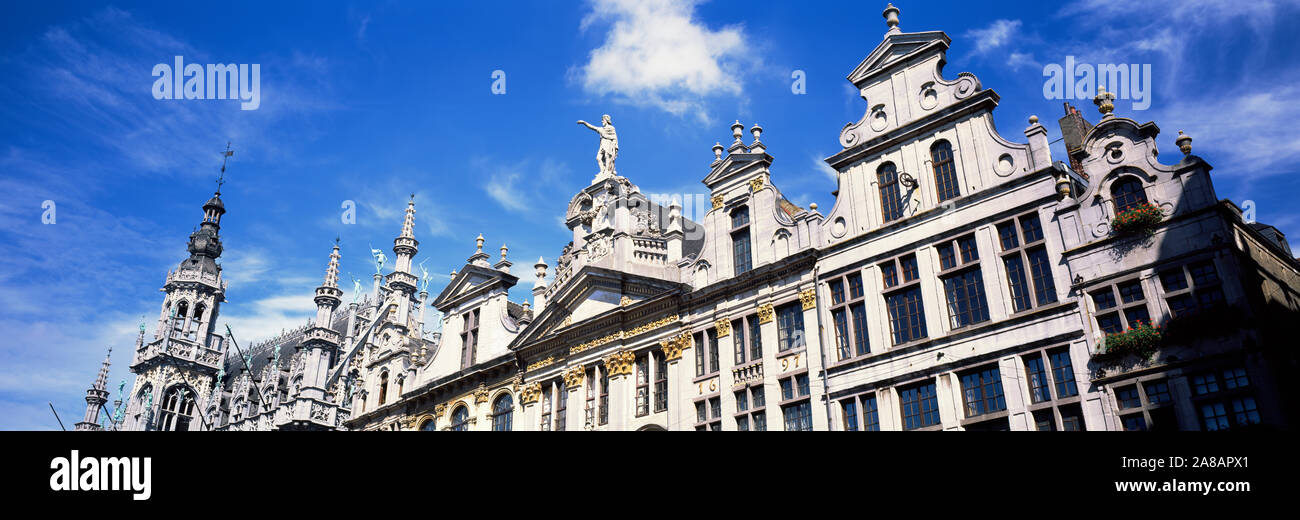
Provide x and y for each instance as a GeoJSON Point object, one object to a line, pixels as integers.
{"type": "Point", "coordinates": [891, 16]}
{"type": "Point", "coordinates": [717, 151]}
{"type": "Point", "coordinates": [408, 224]}
{"type": "Point", "coordinates": [453, 273]}
{"type": "Point", "coordinates": [1033, 120]}
{"type": "Point", "coordinates": [1184, 143]}
{"type": "Point", "coordinates": [813, 206]}
{"type": "Point", "coordinates": [504, 249]}
{"type": "Point", "coordinates": [1105, 101]}
{"type": "Point", "coordinates": [540, 267]}
{"type": "Point", "coordinates": [737, 129]}
{"type": "Point", "coordinates": [756, 131]}
{"type": "Point", "coordinates": [479, 241]}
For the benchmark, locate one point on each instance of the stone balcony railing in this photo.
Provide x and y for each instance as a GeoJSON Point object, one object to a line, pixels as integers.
{"type": "Point", "coordinates": [321, 334]}
{"type": "Point", "coordinates": [195, 276]}
{"type": "Point", "coordinates": [651, 251]}
{"type": "Point", "coordinates": [747, 374]}
{"type": "Point", "coordinates": [181, 349]}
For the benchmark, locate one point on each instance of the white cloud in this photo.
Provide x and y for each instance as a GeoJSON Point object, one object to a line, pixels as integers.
{"type": "Point", "coordinates": [1018, 60]}
{"type": "Point", "coordinates": [994, 36]}
{"type": "Point", "coordinates": [657, 54]}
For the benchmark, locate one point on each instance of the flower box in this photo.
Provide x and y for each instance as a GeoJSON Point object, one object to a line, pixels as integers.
{"type": "Point", "coordinates": [1141, 340]}
{"type": "Point", "coordinates": [1140, 219]}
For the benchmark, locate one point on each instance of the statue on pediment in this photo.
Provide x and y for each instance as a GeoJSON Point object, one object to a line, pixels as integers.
{"type": "Point", "coordinates": [608, 151]}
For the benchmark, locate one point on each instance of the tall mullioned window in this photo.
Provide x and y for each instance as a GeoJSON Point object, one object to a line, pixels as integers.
{"type": "Point", "coordinates": [796, 407]}
{"type": "Point", "coordinates": [982, 391]}
{"type": "Point", "coordinates": [642, 386]}
{"type": "Point", "coordinates": [751, 411]}
{"type": "Point", "coordinates": [849, 316]}
{"type": "Point", "coordinates": [789, 327]}
{"type": "Point", "coordinates": [963, 283]}
{"type": "Point", "coordinates": [661, 382]}
{"type": "Point", "coordinates": [920, 405]}
{"type": "Point", "coordinates": [891, 200]}
{"type": "Point", "coordinates": [902, 282]}
{"type": "Point", "coordinates": [740, 244]}
{"type": "Point", "coordinates": [706, 352]}
{"type": "Point", "coordinates": [945, 171]}
{"type": "Point", "coordinates": [602, 410]}
{"type": "Point", "coordinates": [177, 409]}
{"type": "Point", "coordinates": [1202, 294]}
{"type": "Point", "coordinates": [1029, 271]}
{"type": "Point", "coordinates": [561, 408]}
{"type": "Point", "coordinates": [864, 404]}
{"type": "Point", "coordinates": [747, 339]}
{"type": "Point", "coordinates": [1121, 306]}
{"type": "Point", "coordinates": [469, 338]}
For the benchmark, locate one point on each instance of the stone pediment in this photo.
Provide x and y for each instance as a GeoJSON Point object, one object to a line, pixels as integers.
{"type": "Point", "coordinates": [895, 48]}
{"type": "Point", "coordinates": [592, 294]}
{"type": "Point", "coordinates": [471, 281]}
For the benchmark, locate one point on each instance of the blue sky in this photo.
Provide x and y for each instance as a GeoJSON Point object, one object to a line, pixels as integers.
{"type": "Point", "coordinates": [370, 103]}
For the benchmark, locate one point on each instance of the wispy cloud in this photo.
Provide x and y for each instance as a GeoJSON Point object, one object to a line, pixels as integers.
{"type": "Point", "coordinates": [995, 36]}
{"type": "Point", "coordinates": [657, 53]}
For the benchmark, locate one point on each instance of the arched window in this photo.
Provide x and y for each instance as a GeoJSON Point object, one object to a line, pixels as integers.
{"type": "Point", "coordinates": [740, 246]}
{"type": "Point", "coordinates": [237, 410]}
{"type": "Point", "coordinates": [501, 410]}
{"type": "Point", "coordinates": [177, 409]}
{"type": "Point", "coordinates": [1127, 193]}
{"type": "Point", "coordinates": [198, 311]}
{"type": "Point", "coordinates": [182, 309]}
{"type": "Point", "coordinates": [891, 203]}
{"type": "Point", "coordinates": [383, 388]}
{"type": "Point", "coordinates": [460, 420]}
{"type": "Point", "coordinates": [945, 171]}
{"type": "Point", "coordinates": [429, 425]}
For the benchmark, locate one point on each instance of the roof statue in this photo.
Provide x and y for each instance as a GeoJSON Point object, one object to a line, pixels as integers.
{"type": "Point", "coordinates": [379, 259]}
{"type": "Point", "coordinates": [608, 151]}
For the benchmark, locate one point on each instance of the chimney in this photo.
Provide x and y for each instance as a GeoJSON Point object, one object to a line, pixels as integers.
{"type": "Point", "coordinates": [1073, 128]}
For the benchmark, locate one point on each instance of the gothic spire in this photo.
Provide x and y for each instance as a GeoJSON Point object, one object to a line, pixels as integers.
{"type": "Point", "coordinates": [101, 382]}
{"type": "Point", "coordinates": [408, 226]}
{"type": "Point", "coordinates": [332, 270]}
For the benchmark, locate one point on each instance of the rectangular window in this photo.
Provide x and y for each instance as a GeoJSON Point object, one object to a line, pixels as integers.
{"type": "Point", "coordinates": [1029, 270]}
{"type": "Point", "coordinates": [870, 417]}
{"type": "Point", "coordinates": [738, 340]}
{"type": "Point", "coordinates": [1037, 377]}
{"type": "Point", "coordinates": [741, 251]}
{"type": "Point", "coordinates": [561, 399]}
{"type": "Point", "coordinates": [1157, 391]}
{"type": "Point", "coordinates": [708, 414]}
{"type": "Point", "coordinates": [1072, 418]}
{"type": "Point", "coordinates": [906, 315]}
{"type": "Point", "coordinates": [751, 414]}
{"type": "Point", "coordinates": [1063, 373]}
{"type": "Point", "coordinates": [603, 408]}
{"type": "Point", "coordinates": [706, 355]}
{"type": "Point", "coordinates": [850, 408]}
{"type": "Point", "coordinates": [1127, 397]}
{"type": "Point", "coordinates": [712, 334]}
{"type": "Point", "coordinates": [1202, 294]}
{"type": "Point", "coordinates": [966, 303]}
{"type": "Point", "coordinates": [661, 382]}
{"type": "Point", "coordinates": [589, 410]}
{"type": "Point", "coordinates": [920, 405]}
{"type": "Point", "coordinates": [849, 317]}
{"type": "Point", "coordinates": [1121, 306]}
{"type": "Point", "coordinates": [642, 386]}
{"type": "Point", "coordinates": [795, 405]}
{"type": "Point", "coordinates": [790, 332]}
{"type": "Point", "coordinates": [982, 391]}
{"type": "Point", "coordinates": [469, 338]}
{"type": "Point", "coordinates": [755, 338]}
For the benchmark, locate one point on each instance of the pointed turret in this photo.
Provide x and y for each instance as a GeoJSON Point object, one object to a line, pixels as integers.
{"type": "Point", "coordinates": [96, 396]}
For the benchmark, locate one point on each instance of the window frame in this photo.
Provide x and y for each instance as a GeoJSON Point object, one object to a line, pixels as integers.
{"type": "Point", "coordinates": [799, 400]}
{"type": "Point", "coordinates": [741, 230]}
{"type": "Point", "coordinates": [1023, 252]}
{"type": "Point", "coordinates": [973, 289]}
{"type": "Point", "coordinates": [855, 342]}
{"type": "Point", "coordinates": [947, 184]}
{"type": "Point", "coordinates": [890, 271]}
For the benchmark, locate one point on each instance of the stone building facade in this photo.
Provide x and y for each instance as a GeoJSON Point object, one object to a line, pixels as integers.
{"type": "Point", "coordinates": [961, 281]}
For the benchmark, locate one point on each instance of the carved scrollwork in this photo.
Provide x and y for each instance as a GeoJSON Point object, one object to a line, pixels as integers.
{"type": "Point", "coordinates": [620, 363]}
{"type": "Point", "coordinates": [808, 298]}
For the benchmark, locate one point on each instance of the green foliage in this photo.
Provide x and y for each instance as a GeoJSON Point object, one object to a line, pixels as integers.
{"type": "Point", "coordinates": [1140, 219]}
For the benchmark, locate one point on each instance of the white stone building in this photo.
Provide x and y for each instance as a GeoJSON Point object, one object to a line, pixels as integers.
{"type": "Point", "coordinates": [962, 281]}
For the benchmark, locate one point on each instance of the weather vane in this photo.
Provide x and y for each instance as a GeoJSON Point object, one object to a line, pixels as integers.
{"type": "Point", "coordinates": [221, 179]}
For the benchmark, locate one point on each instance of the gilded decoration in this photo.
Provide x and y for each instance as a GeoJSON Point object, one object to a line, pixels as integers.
{"type": "Point", "coordinates": [765, 313]}
{"type": "Point", "coordinates": [673, 347]}
{"type": "Point", "coordinates": [573, 378]}
{"type": "Point", "coordinates": [756, 183]}
{"type": "Point", "coordinates": [724, 327]}
{"type": "Point", "coordinates": [809, 298]}
{"type": "Point", "coordinates": [481, 394]}
{"type": "Point", "coordinates": [624, 301]}
{"type": "Point", "coordinates": [541, 364]}
{"type": "Point", "coordinates": [717, 201]}
{"type": "Point", "coordinates": [620, 363]}
{"type": "Point", "coordinates": [529, 393]}
{"type": "Point", "coordinates": [439, 410]}
{"type": "Point", "coordinates": [623, 334]}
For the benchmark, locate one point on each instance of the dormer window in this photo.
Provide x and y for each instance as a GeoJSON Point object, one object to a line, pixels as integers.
{"type": "Point", "coordinates": [741, 251]}
{"type": "Point", "coordinates": [469, 338]}
{"type": "Point", "coordinates": [1127, 193]}
{"type": "Point", "coordinates": [945, 171]}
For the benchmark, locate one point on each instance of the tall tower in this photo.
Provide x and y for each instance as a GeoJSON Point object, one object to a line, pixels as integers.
{"type": "Point", "coordinates": [96, 396]}
{"type": "Point", "coordinates": [175, 371]}
{"type": "Point", "coordinates": [319, 351]}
